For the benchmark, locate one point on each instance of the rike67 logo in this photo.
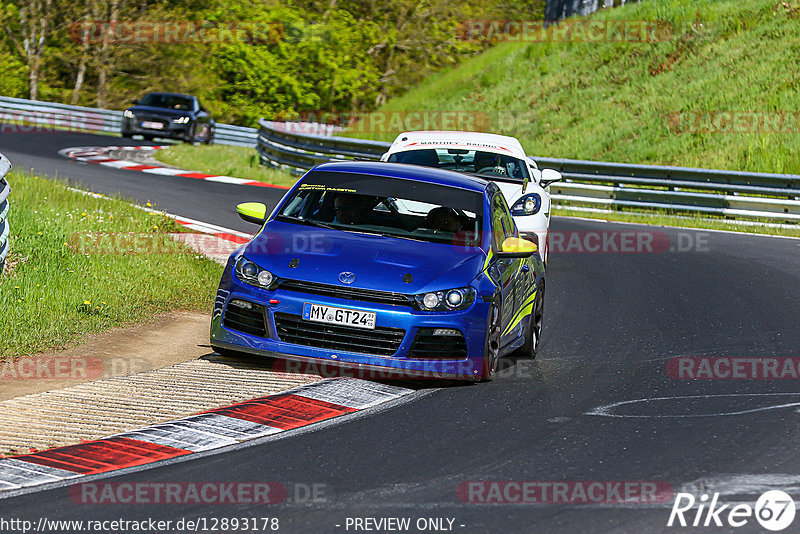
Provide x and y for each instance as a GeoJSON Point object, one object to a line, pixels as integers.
{"type": "Point", "coordinates": [774, 511]}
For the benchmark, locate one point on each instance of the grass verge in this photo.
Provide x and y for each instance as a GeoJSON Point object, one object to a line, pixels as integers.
{"type": "Point", "coordinates": [226, 160]}
{"type": "Point", "coordinates": [62, 282]}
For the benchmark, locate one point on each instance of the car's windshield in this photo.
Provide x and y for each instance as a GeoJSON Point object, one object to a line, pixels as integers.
{"type": "Point", "coordinates": [156, 100]}
{"type": "Point", "coordinates": [488, 164]}
{"type": "Point", "coordinates": [386, 206]}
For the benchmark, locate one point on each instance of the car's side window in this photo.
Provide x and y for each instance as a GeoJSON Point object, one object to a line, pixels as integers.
{"type": "Point", "coordinates": [498, 225]}
{"type": "Point", "coordinates": [502, 222]}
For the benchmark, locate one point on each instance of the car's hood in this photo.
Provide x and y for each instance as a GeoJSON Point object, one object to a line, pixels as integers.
{"type": "Point", "coordinates": [163, 112]}
{"type": "Point", "coordinates": [377, 262]}
{"type": "Point", "coordinates": [512, 191]}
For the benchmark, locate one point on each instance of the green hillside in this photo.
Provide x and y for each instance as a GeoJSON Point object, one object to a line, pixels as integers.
{"type": "Point", "coordinates": [616, 101]}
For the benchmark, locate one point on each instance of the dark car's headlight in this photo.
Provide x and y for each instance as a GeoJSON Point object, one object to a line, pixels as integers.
{"type": "Point", "coordinates": [181, 120]}
{"type": "Point", "coordinates": [448, 300]}
{"type": "Point", "coordinates": [128, 114]}
{"type": "Point", "coordinates": [249, 272]}
{"type": "Point", "coordinates": [527, 205]}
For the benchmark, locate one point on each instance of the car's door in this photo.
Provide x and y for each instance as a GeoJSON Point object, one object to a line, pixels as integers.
{"type": "Point", "coordinates": [507, 270]}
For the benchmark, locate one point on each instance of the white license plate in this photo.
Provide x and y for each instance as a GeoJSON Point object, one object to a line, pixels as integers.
{"type": "Point", "coordinates": [152, 125]}
{"type": "Point", "coordinates": [332, 315]}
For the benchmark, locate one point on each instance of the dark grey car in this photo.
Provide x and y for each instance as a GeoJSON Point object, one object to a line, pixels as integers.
{"type": "Point", "coordinates": [169, 115]}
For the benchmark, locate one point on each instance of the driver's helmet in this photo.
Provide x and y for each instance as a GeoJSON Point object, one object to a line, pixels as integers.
{"type": "Point", "coordinates": [484, 159]}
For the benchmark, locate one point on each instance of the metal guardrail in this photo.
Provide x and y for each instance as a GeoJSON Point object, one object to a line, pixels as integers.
{"type": "Point", "coordinates": [30, 115]}
{"type": "Point", "coordinates": [5, 230]}
{"type": "Point", "coordinates": [33, 115]}
{"type": "Point", "coordinates": [735, 194]}
{"type": "Point", "coordinates": [228, 134]}
{"type": "Point", "coordinates": [303, 151]}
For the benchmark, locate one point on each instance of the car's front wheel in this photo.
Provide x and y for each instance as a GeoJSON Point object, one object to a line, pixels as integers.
{"type": "Point", "coordinates": [491, 354]}
{"type": "Point", "coordinates": [534, 333]}
{"type": "Point", "coordinates": [190, 135]}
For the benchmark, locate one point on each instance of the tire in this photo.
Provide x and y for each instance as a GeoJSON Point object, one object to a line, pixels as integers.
{"type": "Point", "coordinates": [190, 135]}
{"type": "Point", "coordinates": [210, 139]}
{"type": "Point", "coordinates": [534, 332]}
{"type": "Point", "coordinates": [546, 257]}
{"type": "Point", "coordinates": [491, 355]}
{"type": "Point", "coordinates": [127, 135]}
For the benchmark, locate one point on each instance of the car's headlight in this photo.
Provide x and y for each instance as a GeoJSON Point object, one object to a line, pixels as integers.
{"type": "Point", "coordinates": [249, 272]}
{"type": "Point", "coordinates": [181, 120]}
{"type": "Point", "coordinates": [448, 300]}
{"type": "Point", "coordinates": [527, 205]}
{"type": "Point", "coordinates": [128, 114]}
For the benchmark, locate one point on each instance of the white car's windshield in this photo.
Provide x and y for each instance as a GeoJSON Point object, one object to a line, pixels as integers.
{"type": "Point", "coordinates": [492, 166]}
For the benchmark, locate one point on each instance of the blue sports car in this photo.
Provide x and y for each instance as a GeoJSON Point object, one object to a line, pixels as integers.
{"type": "Point", "coordinates": [391, 268]}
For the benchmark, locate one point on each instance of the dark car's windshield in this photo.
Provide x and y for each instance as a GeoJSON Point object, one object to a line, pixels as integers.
{"type": "Point", "coordinates": [488, 164]}
{"type": "Point", "coordinates": [386, 206]}
{"type": "Point", "coordinates": [177, 102]}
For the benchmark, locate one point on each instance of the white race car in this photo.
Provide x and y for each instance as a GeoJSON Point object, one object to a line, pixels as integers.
{"type": "Point", "coordinates": [498, 158]}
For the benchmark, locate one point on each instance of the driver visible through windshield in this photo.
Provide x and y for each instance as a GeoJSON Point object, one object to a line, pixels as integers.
{"type": "Point", "coordinates": [478, 162]}
{"type": "Point", "coordinates": [389, 207]}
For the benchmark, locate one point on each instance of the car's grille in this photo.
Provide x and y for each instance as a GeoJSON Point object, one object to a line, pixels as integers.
{"type": "Point", "coordinates": [250, 320]}
{"type": "Point", "coordinates": [382, 341]}
{"type": "Point", "coordinates": [352, 293]}
{"type": "Point", "coordinates": [442, 346]}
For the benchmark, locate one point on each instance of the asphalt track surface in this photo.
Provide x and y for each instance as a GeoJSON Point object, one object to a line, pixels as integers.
{"type": "Point", "coordinates": [612, 321]}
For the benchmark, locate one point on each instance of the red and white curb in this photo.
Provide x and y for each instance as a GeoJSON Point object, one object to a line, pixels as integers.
{"type": "Point", "coordinates": [219, 248]}
{"type": "Point", "coordinates": [99, 156]}
{"type": "Point", "coordinates": [214, 429]}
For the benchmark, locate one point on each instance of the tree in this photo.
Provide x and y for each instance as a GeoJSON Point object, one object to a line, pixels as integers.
{"type": "Point", "coordinates": [27, 24]}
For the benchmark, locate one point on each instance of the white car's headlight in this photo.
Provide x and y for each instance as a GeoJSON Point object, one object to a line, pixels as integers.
{"type": "Point", "coordinates": [448, 300]}
{"type": "Point", "coordinates": [128, 114]}
{"type": "Point", "coordinates": [527, 205]}
{"type": "Point", "coordinates": [249, 272]}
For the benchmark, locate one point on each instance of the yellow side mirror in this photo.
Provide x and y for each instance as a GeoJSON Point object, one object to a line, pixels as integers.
{"type": "Point", "coordinates": [515, 247]}
{"type": "Point", "coordinates": [252, 212]}
{"type": "Point", "coordinates": [516, 244]}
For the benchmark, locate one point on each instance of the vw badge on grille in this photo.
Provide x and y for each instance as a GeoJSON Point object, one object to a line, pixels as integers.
{"type": "Point", "coordinates": [347, 277]}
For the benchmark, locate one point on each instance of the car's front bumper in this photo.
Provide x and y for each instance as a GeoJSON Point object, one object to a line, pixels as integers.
{"type": "Point", "coordinates": [467, 365]}
{"type": "Point", "coordinates": [169, 130]}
